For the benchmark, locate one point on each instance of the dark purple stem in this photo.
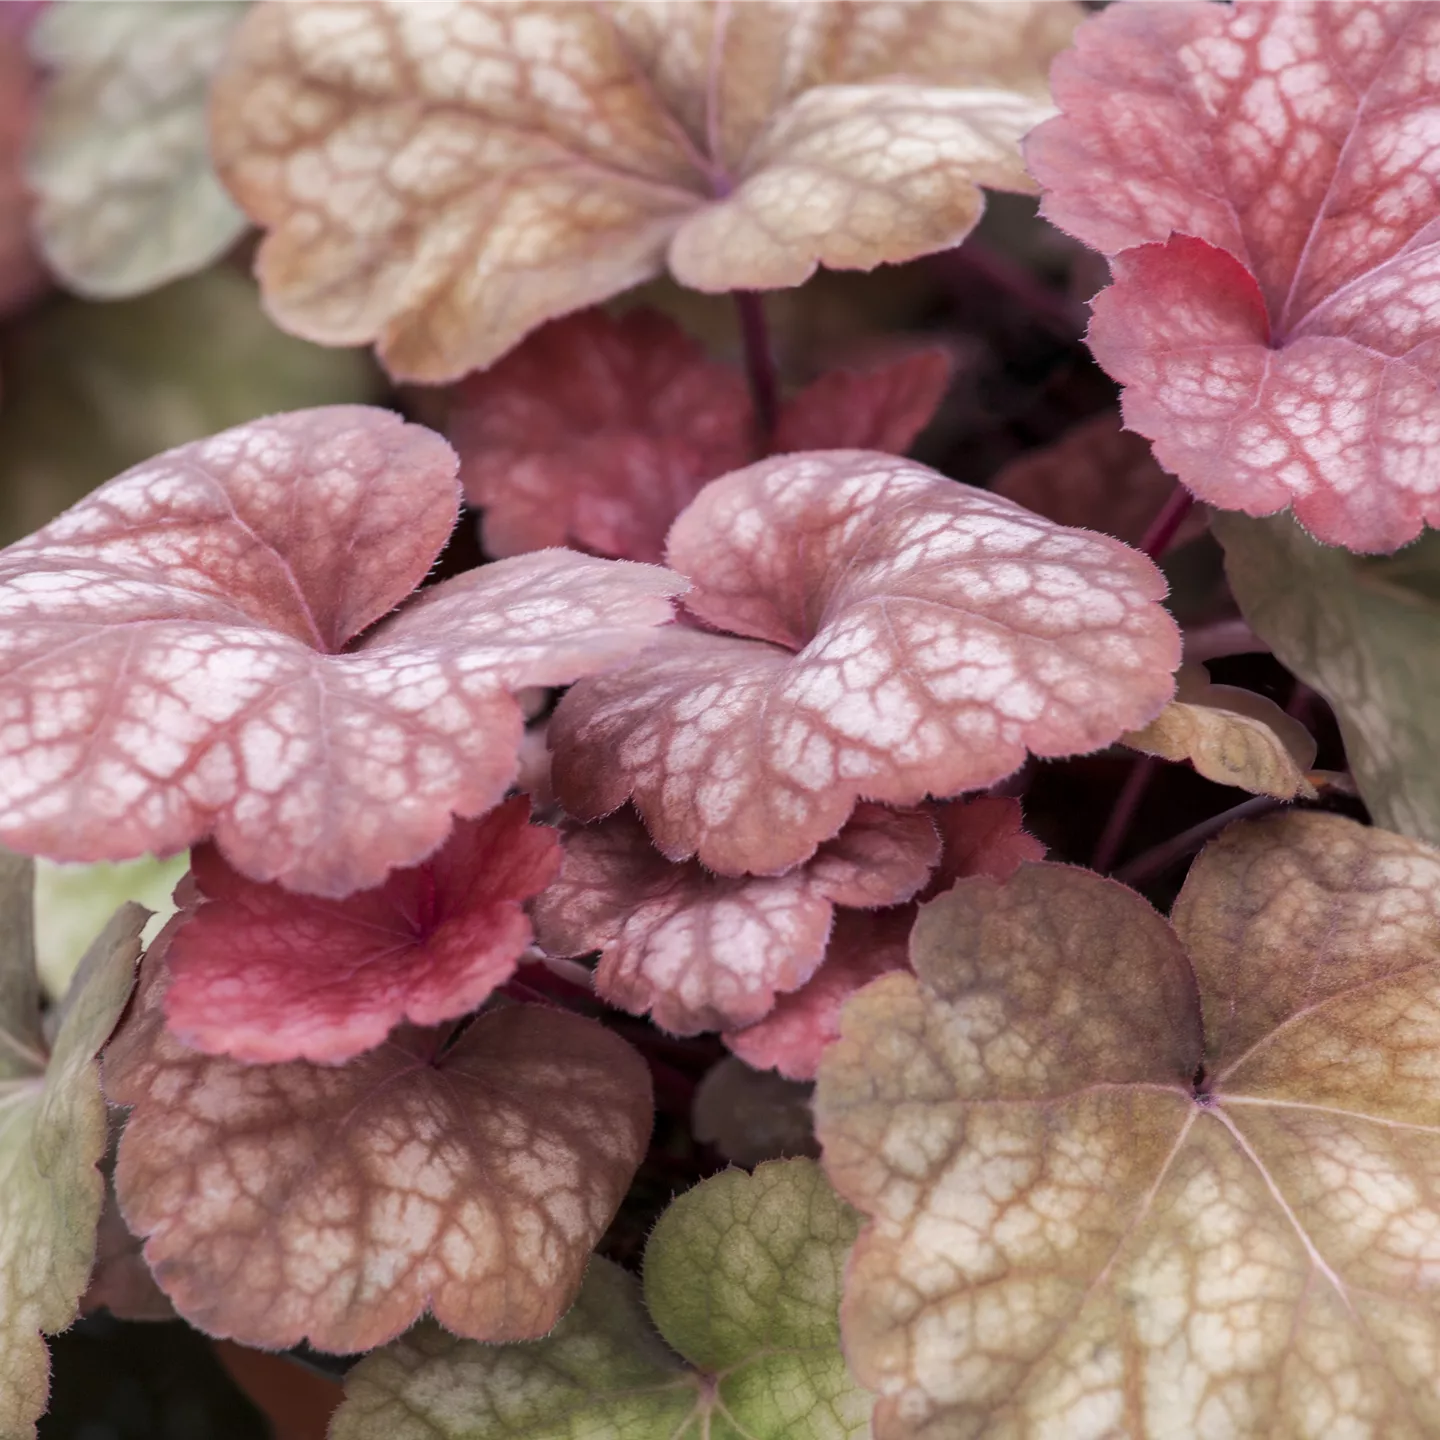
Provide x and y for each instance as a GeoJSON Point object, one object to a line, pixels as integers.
{"type": "Point", "coordinates": [1127, 802]}
{"type": "Point", "coordinates": [1164, 526]}
{"type": "Point", "coordinates": [759, 365]}
{"type": "Point", "coordinates": [1158, 860]}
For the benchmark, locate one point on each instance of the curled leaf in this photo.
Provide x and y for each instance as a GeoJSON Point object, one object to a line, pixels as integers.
{"type": "Point", "coordinates": [981, 836]}
{"type": "Point", "coordinates": [701, 951]}
{"type": "Point", "coordinates": [52, 1138]}
{"type": "Point", "coordinates": [1231, 736]}
{"type": "Point", "coordinates": [742, 1278]}
{"type": "Point", "coordinates": [1262, 177]}
{"type": "Point", "coordinates": [263, 974]}
{"type": "Point", "coordinates": [903, 636]}
{"type": "Point", "coordinates": [126, 196]}
{"type": "Point", "coordinates": [465, 1175]}
{"type": "Point", "coordinates": [1364, 633]}
{"type": "Point", "coordinates": [1124, 1179]}
{"type": "Point", "coordinates": [597, 432]}
{"type": "Point", "coordinates": [567, 152]}
{"type": "Point", "coordinates": [1097, 476]}
{"type": "Point", "coordinates": [179, 655]}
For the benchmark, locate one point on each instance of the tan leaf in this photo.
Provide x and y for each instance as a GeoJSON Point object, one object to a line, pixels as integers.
{"type": "Point", "coordinates": [125, 195]}
{"type": "Point", "coordinates": [1231, 736]}
{"type": "Point", "coordinates": [1125, 1180]}
{"type": "Point", "coordinates": [469, 1176]}
{"type": "Point", "coordinates": [562, 153]}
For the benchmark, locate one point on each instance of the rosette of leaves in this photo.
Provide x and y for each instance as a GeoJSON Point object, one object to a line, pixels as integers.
{"type": "Point", "coordinates": [563, 153]}
{"type": "Point", "coordinates": [52, 1136]}
{"type": "Point", "coordinates": [1126, 1176]}
{"type": "Point", "coordinates": [736, 1338]}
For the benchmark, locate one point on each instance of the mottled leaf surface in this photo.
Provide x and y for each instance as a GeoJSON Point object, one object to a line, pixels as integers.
{"type": "Point", "coordinates": [1124, 1179]}
{"type": "Point", "coordinates": [742, 1278]}
{"type": "Point", "coordinates": [1366, 635]}
{"type": "Point", "coordinates": [1264, 177]}
{"type": "Point", "coordinates": [52, 1137]}
{"type": "Point", "coordinates": [466, 1176]}
{"type": "Point", "coordinates": [980, 836]}
{"type": "Point", "coordinates": [176, 656]}
{"type": "Point", "coordinates": [126, 197]}
{"type": "Point", "coordinates": [1231, 736]}
{"type": "Point", "coordinates": [699, 951]}
{"type": "Point", "coordinates": [563, 153]}
{"type": "Point", "coordinates": [597, 432]}
{"type": "Point", "coordinates": [892, 635]}
{"type": "Point", "coordinates": [264, 975]}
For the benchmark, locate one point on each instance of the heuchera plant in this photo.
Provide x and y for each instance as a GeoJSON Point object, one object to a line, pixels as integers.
{"type": "Point", "coordinates": [698, 762]}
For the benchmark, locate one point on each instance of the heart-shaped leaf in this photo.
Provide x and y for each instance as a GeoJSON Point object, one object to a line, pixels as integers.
{"type": "Point", "coordinates": [567, 152]}
{"type": "Point", "coordinates": [178, 655]}
{"type": "Point", "coordinates": [1276, 331]}
{"type": "Point", "coordinates": [468, 1175]}
{"type": "Point", "coordinates": [983, 836]}
{"type": "Point", "coordinates": [1097, 476]}
{"type": "Point", "coordinates": [1231, 736]}
{"type": "Point", "coordinates": [701, 951]}
{"type": "Point", "coordinates": [1364, 634]}
{"type": "Point", "coordinates": [597, 432]}
{"type": "Point", "coordinates": [52, 1137]}
{"type": "Point", "coordinates": [1129, 1180]}
{"type": "Point", "coordinates": [742, 1278]}
{"type": "Point", "coordinates": [126, 198]}
{"type": "Point", "coordinates": [905, 636]}
{"type": "Point", "coordinates": [263, 974]}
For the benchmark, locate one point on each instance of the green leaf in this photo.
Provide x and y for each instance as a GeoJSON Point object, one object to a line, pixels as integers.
{"type": "Point", "coordinates": [126, 197]}
{"type": "Point", "coordinates": [742, 1278]}
{"type": "Point", "coordinates": [1366, 635]}
{"type": "Point", "coordinates": [91, 389]}
{"type": "Point", "coordinates": [52, 1137]}
{"type": "Point", "coordinates": [72, 902]}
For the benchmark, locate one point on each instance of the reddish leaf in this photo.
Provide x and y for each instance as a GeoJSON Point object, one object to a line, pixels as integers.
{"type": "Point", "coordinates": [1283, 347]}
{"type": "Point", "coordinates": [178, 655]}
{"type": "Point", "coordinates": [264, 974]}
{"type": "Point", "coordinates": [880, 409]}
{"type": "Point", "coordinates": [597, 432]}
{"type": "Point", "coordinates": [906, 636]}
{"type": "Point", "coordinates": [701, 951]}
{"type": "Point", "coordinates": [982, 836]}
{"type": "Point", "coordinates": [336, 1204]}
{"type": "Point", "coordinates": [1097, 476]}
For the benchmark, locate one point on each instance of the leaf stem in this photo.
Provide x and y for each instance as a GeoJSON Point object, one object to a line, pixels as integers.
{"type": "Point", "coordinates": [759, 365]}
{"type": "Point", "coordinates": [1127, 802]}
{"type": "Point", "coordinates": [1166, 524]}
{"type": "Point", "coordinates": [1156, 861]}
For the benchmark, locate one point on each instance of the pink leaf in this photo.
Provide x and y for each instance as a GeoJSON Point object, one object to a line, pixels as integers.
{"type": "Point", "coordinates": [906, 636]}
{"type": "Point", "coordinates": [179, 655]}
{"type": "Point", "coordinates": [982, 836]}
{"type": "Point", "coordinates": [468, 1175]}
{"type": "Point", "coordinates": [263, 974]}
{"type": "Point", "coordinates": [597, 432]}
{"type": "Point", "coordinates": [701, 951]}
{"type": "Point", "coordinates": [1284, 347]}
{"type": "Point", "coordinates": [880, 409]}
